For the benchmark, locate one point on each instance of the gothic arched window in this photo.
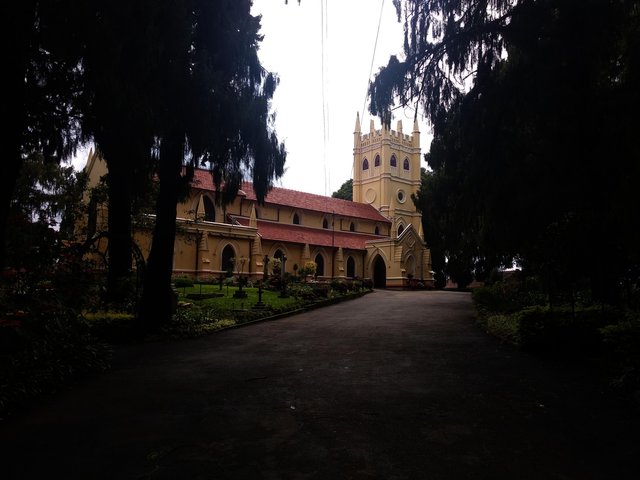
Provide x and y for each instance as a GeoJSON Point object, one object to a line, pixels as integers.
{"type": "Point", "coordinates": [365, 164]}
{"type": "Point", "coordinates": [209, 210]}
{"type": "Point", "coordinates": [393, 161]}
{"type": "Point", "coordinates": [406, 164]}
{"type": "Point", "coordinates": [376, 162]}
{"type": "Point", "coordinates": [296, 219]}
{"type": "Point", "coordinates": [325, 223]}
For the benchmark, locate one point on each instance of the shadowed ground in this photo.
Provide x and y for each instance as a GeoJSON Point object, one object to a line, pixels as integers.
{"type": "Point", "coordinates": [394, 385]}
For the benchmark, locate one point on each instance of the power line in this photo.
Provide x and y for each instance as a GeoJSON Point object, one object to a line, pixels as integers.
{"type": "Point", "coordinates": [323, 34]}
{"type": "Point", "coordinates": [373, 57]}
{"type": "Point", "coordinates": [375, 47]}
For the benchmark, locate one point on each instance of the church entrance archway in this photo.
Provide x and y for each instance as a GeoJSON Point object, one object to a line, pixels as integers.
{"type": "Point", "coordinates": [379, 273]}
{"type": "Point", "coordinates": [228, 255]}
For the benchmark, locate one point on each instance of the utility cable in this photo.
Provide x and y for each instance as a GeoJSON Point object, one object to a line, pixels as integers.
{"type": "Point", "coordinates": [373, 57]}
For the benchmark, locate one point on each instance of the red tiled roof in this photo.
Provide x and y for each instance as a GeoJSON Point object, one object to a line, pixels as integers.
{"type": "Point", "coordinates": [307, 201]}
{"type": "Point", "coordinates": [285, 232]}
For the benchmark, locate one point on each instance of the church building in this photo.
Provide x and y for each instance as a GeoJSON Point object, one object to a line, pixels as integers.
{"type": "Point", "coordinates": [377, 236]}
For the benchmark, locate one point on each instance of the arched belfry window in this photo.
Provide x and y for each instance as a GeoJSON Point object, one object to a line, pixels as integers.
{"type": "Point", "coordinates": [406, 164]}
{"type": "Point", "coordinates": [209, 210]}
{"type": "Point", "coordinates": [325, 223]}
{"type": "Point", "coordinates": [376, 162]}
{"type": "Point", "coordinates": [296, 219]}
{"type": "Point", "coordinates": [365, 164]}
{"type": "Point", "coordinates": [394, 161]}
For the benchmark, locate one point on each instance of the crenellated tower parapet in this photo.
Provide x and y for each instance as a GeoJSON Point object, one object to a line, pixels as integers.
{"type": "Point", "coordinates": [386, 171]}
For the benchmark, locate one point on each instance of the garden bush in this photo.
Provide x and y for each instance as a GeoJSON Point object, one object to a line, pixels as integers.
{"type": "Point", "coordinates": [192, 322]}
{"type": "Point", "coordinates": [507, 297]}
{"type": "Point", "coordinates": [56, 347]}
{"type": "Point", "coordinates": [622, 342]}
{"type": "Point", "coordinates": [339, 287]}
{"type": "Point", "coordinates": [182, 282]}
{"type": "Point", "coordinates": [113, 327]}
{"type": "Point", "coordinates": [322, 290]}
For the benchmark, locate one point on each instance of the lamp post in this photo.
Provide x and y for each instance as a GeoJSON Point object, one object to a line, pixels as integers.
{"type": "Point", "coordinates": [240, 293]}
{"type": "Point", "coordinates": [283, 294]}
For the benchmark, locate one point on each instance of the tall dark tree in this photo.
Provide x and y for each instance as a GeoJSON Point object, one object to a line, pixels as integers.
{"type": "Point", "coordinates": [537, 154]}
{"type": "Point", "coordinates": [43, 75]}
{"type": "Point", "coordinates": [345, 192]}
{"type": "Point", "coordinates": [119, 66]}
{"type": "Point", "coordinates": [216, 113]}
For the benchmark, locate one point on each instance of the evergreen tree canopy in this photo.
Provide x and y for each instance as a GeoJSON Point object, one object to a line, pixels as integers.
{"type": "Point", "coordinates": [534, 155]}
{"type": "Point", "coordinates": [345, 191]}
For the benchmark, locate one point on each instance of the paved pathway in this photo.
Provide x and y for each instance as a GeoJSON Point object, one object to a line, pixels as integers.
{"type": "Point", "coordinates": [395, 385]}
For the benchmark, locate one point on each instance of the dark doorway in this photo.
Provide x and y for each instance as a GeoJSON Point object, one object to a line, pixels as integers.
{"type": "Point", "coordinates": [228, 255]}
{"type": "Point", "coordinates": [319, 265]}
{"type": "Point", "coordinates": [379, 273]}
{"type": "Point", "coordinates": [351, 267]}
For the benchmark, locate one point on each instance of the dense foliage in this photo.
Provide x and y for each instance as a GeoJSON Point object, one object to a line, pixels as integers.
{"type": "Point", "coordinates": [345, 192]}
{"type": "Point", "coordinates": [534, 157]}
{"type": "Point", "coordinates": [151, 85]}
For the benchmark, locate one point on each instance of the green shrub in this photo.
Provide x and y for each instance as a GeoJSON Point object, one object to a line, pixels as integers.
{"type": "Point", "coordinates": [193, 322]}
{"type": "Point", "coordinates": [563, 330]}
{"type": "Point", "coordinates": [367, 283]}
{"type": "Point", "coordinates": [321, 290]}
{"type": "Point", "coordinates": [113, 327]}
{"type": "Point", "coordinates": [504, 326]}
{"type": "Point", "coordinates": [56, 348]}
{"type": "Point", "coordinates": [182, 282]}
{"type": "Point", "coordinates": [339, 287]}
{"type": "Point", "coordinates": [622, 343]}
{"type": "Point", "coordinates": [301, 290]}
{"type": "Point", "coordinates": [504, 297]}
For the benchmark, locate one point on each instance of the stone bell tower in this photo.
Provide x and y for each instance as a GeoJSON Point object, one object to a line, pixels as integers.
{"type": "Point", "coordinates": [386, 172]}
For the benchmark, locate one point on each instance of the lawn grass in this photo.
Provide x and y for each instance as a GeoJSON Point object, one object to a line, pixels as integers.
{"type": "Point", "coordinates": [228, 302]}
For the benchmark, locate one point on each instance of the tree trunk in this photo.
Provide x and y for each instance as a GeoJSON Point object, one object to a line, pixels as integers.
{"type": "Point", "coordinates": [11, 170]}
{"type": "Point", "coordinates": [119, 224]}
{"type": "Point", "coordinates": [157, 297]}
{"type": "Point", "coordinates": [17, 32]}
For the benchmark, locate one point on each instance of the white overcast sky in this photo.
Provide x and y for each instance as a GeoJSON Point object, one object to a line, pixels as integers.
{"type": "Point", "coordinates": [292, 48]}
